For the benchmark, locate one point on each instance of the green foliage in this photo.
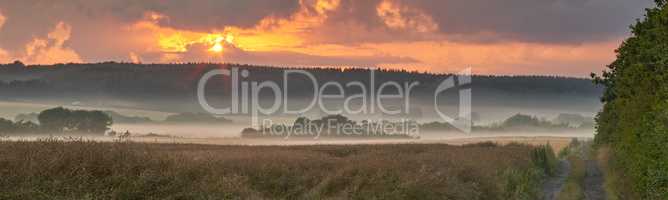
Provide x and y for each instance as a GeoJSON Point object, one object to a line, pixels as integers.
{"type": "Point", "coordinates": [521, 184]}
{"type": "Point", "coordinates": [524, 183]}
{"type": "Point", "coordinates": [634, 120]}
{"type": "Point", "coordinates": [575, 146]}
{"type": "Point", "coordinates": [543, 158]}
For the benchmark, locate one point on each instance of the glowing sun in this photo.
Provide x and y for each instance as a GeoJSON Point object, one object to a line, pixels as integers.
{"type": "Point", "coordinates": [218, 41]}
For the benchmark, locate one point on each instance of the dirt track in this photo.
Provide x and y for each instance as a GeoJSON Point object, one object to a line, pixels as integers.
{"type": "Point", "coordinates": [593, 183]}
{"type": "Point", "coordinates": [552, 186]}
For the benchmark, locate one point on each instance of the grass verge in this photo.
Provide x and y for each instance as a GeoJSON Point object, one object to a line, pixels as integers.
{"type": "Point", "coordinates": [615, 182]}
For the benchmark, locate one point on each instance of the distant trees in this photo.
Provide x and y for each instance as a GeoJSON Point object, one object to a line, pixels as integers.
{"type": "Point", "coordinates": [61, 120]}
{"type": "Point", "coordinates": [6, 126]}
{"type": "Point", "coordinates": [147, 84]}
{"type": "Point", "coordinates": [20, 127]}
{"type": "Point", "coordinates": [520, 120]}
{"type": "Point", "coordinates": [528, 122]}
{"type": "Point", "coordinates": [574, 120]}
{"type": "Point", "coordinates": [437, 126]}
{"type": "Point", "coordinates": [32, 117]}
{"type": "Point", "coordinates": [90, 121]}
{"type": "Point", "coordinates": [123, 119]}
{"type": "Point", "coordinates": [55, 119]}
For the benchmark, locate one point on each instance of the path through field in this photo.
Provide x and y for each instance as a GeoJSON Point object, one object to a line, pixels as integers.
{"type": "Point", "coordinates": [552, 186]}
{"type": "Point", "coordinates": [593, 183]}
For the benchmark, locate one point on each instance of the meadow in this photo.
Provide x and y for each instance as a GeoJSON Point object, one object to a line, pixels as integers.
{"type": "Point", "coordinates": [77, 169]}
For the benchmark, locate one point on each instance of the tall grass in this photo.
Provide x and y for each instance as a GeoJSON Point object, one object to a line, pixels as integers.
{"type": "Point", "coordinates": [524, 184]}
{"type": "Point", "coordinates": [56, 169]}
{"type": "Point", "coordinates": [543, 158]}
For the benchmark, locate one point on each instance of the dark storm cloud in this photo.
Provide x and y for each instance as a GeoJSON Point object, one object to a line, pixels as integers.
{"type": "Point", "coordinates": [534, 20]}
{"type": "Point", "coordinates": [207, 14]}
{"type": "Point", "coordinates": [537, 21]}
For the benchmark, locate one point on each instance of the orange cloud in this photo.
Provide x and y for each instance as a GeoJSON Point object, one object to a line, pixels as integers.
{"type": "Point", "coordinates": [51, 49]}
{"type": "Point", "coordinates": [503, 58]}
{"type": "Point", "coordinates": [134, 58]}
{"type": "Point", "coordinates": [303, 38]}
{"type": "Point", "coordinates": [293, 34]}
{"type": "Point", "coordinates": [2, 20]}
{"type": "Point", "coordinates": [4, 55]}
{"type": "Point", "coordinates": [270, 34]}
{"type": "Point", "coordinates": [395, 15]}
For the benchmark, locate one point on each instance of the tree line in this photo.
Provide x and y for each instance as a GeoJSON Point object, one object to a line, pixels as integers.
{"type": "Point", "coordinates": [60, 120]}
{"type": "Point", "coordinates": [634, 119]}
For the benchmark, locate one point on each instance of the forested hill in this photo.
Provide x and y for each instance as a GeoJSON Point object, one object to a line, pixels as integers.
{"type": "Point", "coordinates": [141, 83]}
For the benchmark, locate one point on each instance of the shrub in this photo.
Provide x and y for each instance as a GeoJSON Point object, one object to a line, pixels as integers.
{"type": "Point", "coordinates": [543, 158]}
{"type": "Point", "coordinates": [521, 184]}
{"type": "Point", "coordinates": [634, 118]}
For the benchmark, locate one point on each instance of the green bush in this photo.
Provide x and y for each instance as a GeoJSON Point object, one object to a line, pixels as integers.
{"type": "Point", "coordinates": [634, 119]}
{"type": "Point", "coordinates": [525, 183]}
{"type": "Point", "coordinates": [521, 184]}
{"type": "Point", "coordinates": [543, 158]}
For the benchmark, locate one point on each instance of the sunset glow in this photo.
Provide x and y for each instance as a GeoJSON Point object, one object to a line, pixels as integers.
{"type": "Point", "coordinates": [386, 33]}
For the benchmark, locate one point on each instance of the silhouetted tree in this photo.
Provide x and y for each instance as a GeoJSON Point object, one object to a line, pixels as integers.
{"type": "Point", "coordinates": [62, 119]}
{"type": "Point", "coordinates": [55, 119]}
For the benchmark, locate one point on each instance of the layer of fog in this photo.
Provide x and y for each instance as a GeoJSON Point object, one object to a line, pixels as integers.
{"type": "Point", "coordinates": [230, 133]}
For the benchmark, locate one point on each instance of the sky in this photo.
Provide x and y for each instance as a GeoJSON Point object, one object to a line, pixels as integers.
{"type": "Point", "coordinates": [510, 37]}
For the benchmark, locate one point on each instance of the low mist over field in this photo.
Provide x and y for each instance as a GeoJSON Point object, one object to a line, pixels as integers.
{"type": "Point", "coordinates": [143, 97]}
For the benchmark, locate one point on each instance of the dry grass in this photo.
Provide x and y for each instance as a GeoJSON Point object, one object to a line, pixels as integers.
{"type": "Point", "coordinates": [126, 170]}
{"type": "Point", "coordinates": [557, 143]}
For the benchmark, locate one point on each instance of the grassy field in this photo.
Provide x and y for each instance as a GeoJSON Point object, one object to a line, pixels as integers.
{"type": "Point", "coordinates": [56, 169]}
